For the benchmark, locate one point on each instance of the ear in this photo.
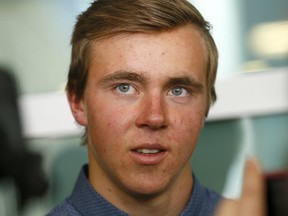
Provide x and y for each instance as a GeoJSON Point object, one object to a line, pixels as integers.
{"type": "Point", "coordinates": [78, 109]}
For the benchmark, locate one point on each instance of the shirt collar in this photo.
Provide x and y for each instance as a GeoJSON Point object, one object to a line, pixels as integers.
{"type": "Point", "coordinates": [87, 201]}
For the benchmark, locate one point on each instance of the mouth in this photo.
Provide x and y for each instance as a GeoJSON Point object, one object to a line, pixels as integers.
{"type": "Point", "coordinates": [149, 154]}
{"type": "Point", "coordinates": [148, 151]}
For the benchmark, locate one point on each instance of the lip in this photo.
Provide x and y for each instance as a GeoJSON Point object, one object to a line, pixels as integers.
{"type": "Point", "coordinates": [148, 159]}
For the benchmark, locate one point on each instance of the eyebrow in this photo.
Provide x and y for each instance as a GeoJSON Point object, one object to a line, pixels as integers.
{"type": "Point", "coordinates": [124, 75]}
{"type": "Point", "coordinates": [186, 81]}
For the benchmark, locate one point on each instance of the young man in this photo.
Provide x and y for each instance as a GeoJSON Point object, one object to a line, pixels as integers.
{"type": "Point", "coordinates": [141, 81]}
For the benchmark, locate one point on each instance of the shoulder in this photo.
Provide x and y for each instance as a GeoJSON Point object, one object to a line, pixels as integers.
{"type": "Point", "coordinates": [203, 201]}
{"type": "Point", "coordinates": [63, 209]}
{"type": "Point", "coordinates": [211, 195]}
{"type": "Point", "coordinates": [209, 201]}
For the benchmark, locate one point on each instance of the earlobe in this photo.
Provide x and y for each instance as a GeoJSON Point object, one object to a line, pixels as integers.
{"type": "Point", "coordinates": [78, 109]}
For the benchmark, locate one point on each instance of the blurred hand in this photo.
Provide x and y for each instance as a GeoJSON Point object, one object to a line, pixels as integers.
{"type": "Point", "coordinates": [252, 200]}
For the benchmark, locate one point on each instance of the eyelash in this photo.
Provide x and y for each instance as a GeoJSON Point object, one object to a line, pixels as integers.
{"type": "Point", "coordinates": [117, 86]}
{"type": "Point", "coordinates": [185, 89]}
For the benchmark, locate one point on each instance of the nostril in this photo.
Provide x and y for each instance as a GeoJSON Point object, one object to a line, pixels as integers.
{"type": "Point", "coordinates": [152, 123]}
{"type": "Point", "coordinates": [152, 114]}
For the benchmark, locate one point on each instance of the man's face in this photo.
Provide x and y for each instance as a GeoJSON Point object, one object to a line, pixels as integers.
{"type": "Point", "coordinates": [144, 107]}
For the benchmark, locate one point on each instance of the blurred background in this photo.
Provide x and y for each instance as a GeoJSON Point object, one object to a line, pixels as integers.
{"type": "Point", "coordinates": [40, 143]}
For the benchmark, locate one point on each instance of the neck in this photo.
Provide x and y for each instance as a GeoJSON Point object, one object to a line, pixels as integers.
{"type": "Point", "coordinates": [171, 202]}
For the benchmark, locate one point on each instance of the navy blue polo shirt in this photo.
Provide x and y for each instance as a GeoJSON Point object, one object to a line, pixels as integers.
{"type": "Point", "coordinates": [85, 201]}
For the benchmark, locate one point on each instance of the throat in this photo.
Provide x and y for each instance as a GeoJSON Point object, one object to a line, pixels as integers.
{"type": "Point", "coordinates": [170, 202]}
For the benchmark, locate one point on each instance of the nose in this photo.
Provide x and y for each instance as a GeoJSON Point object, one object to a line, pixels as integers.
{"type": "Point", "coordinates": [152, 113]}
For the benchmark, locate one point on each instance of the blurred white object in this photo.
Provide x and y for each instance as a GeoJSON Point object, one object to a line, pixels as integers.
{"type": "Point", "coordinates": [250, 94]}
{"type": "Point", "coordinates": [233, 184]}
{"type": "Point", "coordinates": [270, 39]}
{"type": "Point", "coordinates": [47, 115]}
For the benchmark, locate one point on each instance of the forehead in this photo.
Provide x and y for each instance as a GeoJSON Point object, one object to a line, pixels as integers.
{"type": "Point", "coordinates": [180, 50]}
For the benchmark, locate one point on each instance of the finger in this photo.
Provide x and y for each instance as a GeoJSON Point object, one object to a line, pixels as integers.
{"type": "Point", "coordinates": [228, 207]}
{"type": "Point", "coordinates": [252, 201]}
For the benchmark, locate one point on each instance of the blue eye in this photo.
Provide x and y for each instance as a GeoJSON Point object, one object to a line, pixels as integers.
{"type": "Point", "coordinates": [124, 88]}
{"type": "Point", "coordinates": [177, 91]}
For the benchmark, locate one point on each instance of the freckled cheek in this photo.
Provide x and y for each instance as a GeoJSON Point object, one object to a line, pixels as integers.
{"type": "Point", "coordinates": [186, 129]}
{"type": "Point", "coordinates": [118, 121]}
{"type": "Point", "coordinates": [110, 130]}
{"type": "Point", "coordinates": [108, 114]}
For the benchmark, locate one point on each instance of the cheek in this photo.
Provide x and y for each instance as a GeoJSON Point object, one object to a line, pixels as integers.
{"type": "Point", "coordinates": [186, 129]}
{"type": "Point", "coordinates": [107, 123]}
{"type": "Point", "coordinates": [102, 135]}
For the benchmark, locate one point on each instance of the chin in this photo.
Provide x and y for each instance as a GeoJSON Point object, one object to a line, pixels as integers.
{"type": "Point", "coordinates": [146, 194]}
